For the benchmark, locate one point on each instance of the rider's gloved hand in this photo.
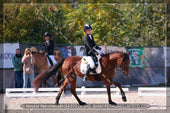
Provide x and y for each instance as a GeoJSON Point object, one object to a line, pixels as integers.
{"type": "Point", "coordinates": [97, 47]}
{"type": "Point", "coordinates": [96, 53]}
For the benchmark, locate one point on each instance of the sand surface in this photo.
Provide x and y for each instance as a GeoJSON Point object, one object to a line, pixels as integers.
{"type": "Point", "coordinates": [155, 102]}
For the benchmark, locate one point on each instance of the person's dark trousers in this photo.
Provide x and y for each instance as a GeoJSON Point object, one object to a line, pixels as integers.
{"type": "Point", "coordinates": [18, 79]}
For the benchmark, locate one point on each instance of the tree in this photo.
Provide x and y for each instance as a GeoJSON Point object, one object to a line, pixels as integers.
{"type": "Point", "coordinates": [1, 21]}
{"type": "Point", "coordinates": [113, 23]}
{"type": "Point", "coordinates": [121, 24]}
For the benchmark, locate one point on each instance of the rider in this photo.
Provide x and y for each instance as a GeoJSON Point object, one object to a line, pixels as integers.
{"type": "Point", "coordinates": [49, 44]}
{"type": "Point", "coordinates": [49, 48]}
{"type": "Point", "coordinates": [90, 49]}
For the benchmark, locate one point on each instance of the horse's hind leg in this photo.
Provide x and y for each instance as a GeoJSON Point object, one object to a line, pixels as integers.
{"type": "Point", "coordinates": [73, 91]}
{"type": "Point", "coordinates": [109, 95]}
{"type": "Point", "coordinates": [61, 90]}
{"type": "Point", "coordinates": [121, 90]}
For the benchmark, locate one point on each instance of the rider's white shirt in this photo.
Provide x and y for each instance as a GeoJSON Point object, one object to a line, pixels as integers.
{"type": "Point", "coordinates": [90, 37]}
{"type": "Point", "coordinates": [47, 42]}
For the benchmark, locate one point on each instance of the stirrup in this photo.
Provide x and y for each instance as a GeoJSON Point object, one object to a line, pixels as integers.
{"type": "Point", "coordinates": [94, 70]}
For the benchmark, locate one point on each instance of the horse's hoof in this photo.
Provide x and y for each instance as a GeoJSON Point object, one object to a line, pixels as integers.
{"type": "Point", "coordinates": [56, 103]}
{"type": "Point", "coordinates": [112, 103]}
{"type": "Point", "coordinates": [124, 99]}
{"type": "Point", "coordinates": [82, 103]}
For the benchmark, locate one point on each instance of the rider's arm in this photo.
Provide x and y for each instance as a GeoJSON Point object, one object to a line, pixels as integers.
{"type": "Point", "coordinates": [45, 48]}
{"type": "Point", "coordinates": [52, 45]}
{"type": "Point", "coordinates": [97, 47]}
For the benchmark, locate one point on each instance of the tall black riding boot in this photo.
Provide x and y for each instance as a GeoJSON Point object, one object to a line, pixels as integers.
{"type": "Point", "coordinates": [95, 66]}
{"type": "Point", "coordinates": [86, 75]}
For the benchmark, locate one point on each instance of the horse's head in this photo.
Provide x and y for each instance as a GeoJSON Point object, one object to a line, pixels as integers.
{"type": "Point", "coordinates": [33, 49]}
{"type": "Point", "coordinates": [123, 63]}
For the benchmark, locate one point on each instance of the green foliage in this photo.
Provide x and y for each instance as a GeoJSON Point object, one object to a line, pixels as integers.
{"type": "Point", "coordinates": [113, 24]}
{"type": "Point", "coordinates": [1, 21]}
{"type": "Point", "coordinates": [121, 24]}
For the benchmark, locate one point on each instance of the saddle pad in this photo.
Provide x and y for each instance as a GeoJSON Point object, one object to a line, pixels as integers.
{"type": "Point", "coordinates": [87, 60]}
{"type": "Point", "coordinates": [52, 59]}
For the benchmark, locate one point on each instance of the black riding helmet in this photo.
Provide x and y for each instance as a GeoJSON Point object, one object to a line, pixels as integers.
{"type": "Point", "coordinates": [86, 27]}
{"type": "Point", "coordinates": [46, 34]}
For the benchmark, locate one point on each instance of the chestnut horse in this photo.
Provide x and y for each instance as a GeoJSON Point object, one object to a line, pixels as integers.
{"type": "Point", "coordinates": [41, 64]}
{"type": "Point", "coordinates": [71, 69]}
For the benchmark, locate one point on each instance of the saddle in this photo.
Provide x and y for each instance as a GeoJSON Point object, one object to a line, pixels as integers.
{"type": "Point", "coordinates": [87, 61]}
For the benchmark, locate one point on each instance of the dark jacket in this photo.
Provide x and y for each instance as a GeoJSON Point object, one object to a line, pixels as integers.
{"type": "Point", "coordinates": [49, 47]}
{"type": "Point", "coordinates": [89, 46]}
{"type": "Point", "coordinates": [17, 63]}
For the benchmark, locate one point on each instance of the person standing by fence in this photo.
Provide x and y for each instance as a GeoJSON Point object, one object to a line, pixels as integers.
{"type": "Point", "coordinates": [28, 68]}
{"type": "Point", "coordinates": [16, 60]}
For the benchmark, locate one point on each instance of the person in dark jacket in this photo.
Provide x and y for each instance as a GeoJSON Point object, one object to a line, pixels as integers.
{"type": "Point", "coordinates": [90, 49]}
{"type": "Point", "coordinates": [16, 60]}
{"type": "Point", "coordinates": [49, 49]}
{"type": "Point", "coordinates": [49, 44]}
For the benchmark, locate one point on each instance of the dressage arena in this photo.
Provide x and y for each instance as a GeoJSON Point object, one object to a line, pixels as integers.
{"type": "Point", "coordinates": [96, 98]}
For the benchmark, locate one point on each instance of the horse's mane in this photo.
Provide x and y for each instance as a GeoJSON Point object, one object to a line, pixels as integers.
{"type": "Point", "coordinates": [115, 52]}
{"type": "Point", "coordinates": [37, 53]}
{"type": "Point", "coordinates": [124, 53]}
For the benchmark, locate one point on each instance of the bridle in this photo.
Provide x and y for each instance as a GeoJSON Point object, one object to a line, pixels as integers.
{"type": "Point", "coordinates": [122, 65]}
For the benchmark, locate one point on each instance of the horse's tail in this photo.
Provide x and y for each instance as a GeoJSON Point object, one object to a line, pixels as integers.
{"type": "Point", "coordinates": [46, 75]}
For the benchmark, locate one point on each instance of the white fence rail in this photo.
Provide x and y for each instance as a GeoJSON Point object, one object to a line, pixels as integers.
{"type": "Point", "coordinates": [29, 92]}
{"type": "Point", "coordinates": [45, 92]}
{"type": "Point", "coordinates": [151, 91]}
{"type": "Point", "coordinates": [84, 92]}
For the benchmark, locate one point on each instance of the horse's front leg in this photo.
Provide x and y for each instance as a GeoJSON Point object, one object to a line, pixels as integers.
{"type": "Point", "coordinates": [109, 95]}
{"type": "Point", "coordinates": [121, 90]}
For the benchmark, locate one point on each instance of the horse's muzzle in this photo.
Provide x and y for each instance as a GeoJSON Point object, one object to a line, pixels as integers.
{"type": "Point", "coordinates": [126, 74]}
